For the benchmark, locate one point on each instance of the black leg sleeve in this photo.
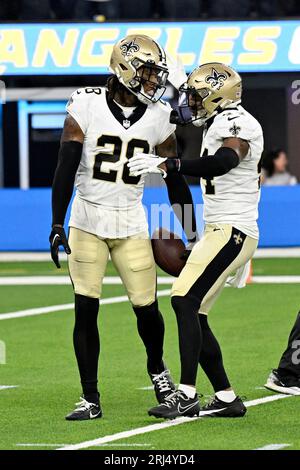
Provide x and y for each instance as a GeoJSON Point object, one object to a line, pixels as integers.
{"type": "Point", "coordinates": [290, 360]}
{"type": "Point", "coordinates": [151, 329]}
{"type": "Point", "coordinates": [210, 358]}
{"type": "Point", "coordinates": [87, 344]}
{"type": "Point", "coordinates": [190, 337]}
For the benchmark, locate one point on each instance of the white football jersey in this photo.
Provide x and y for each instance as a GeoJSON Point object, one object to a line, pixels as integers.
{"type": "Point", "coordinates": [108, 200]}
{"type": "Point", "coordinates": [233, 198]}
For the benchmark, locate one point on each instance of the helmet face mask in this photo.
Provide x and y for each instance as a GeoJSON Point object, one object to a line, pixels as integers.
{"type": "Point", "coordinates": [209, 89]}
{"type": "Point", "coordinates": [190, 105]}
{"type": "Point", "coordinates": [151, 83]}
{"type": "Point", "coordinates": [140, 65]}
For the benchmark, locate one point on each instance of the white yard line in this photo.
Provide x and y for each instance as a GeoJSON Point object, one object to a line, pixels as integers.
{"type": "Point", "coordinates": [57, 308]}
{"type": "Point", "coordinates": [115, 280]}
{"type": "Point", "coordinates": [40, 445]}
{"type": "Point", "coordinates": [8, 256]}
{"type": "Point", "coordinates": [277, 253]}
{"type": "Point", "coordinates": [5, 387]}
{"type": "Point", "coordinates": [36, 311]}
{"type": "Point", "coordinates": [273, 447]}
{"type": "Point", "coordinates": [275, 280]}
{"type": "Point", "coordinates": [64, 280]}
{"type": "Point", "coordinates": [156, 427]}
{"type": "Point", "coordinates": [134, 444]}
{"type": "Point", "coordinates": [16, 256]}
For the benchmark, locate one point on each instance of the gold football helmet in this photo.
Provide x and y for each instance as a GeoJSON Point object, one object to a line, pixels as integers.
{"type": "Point", "coordinates": [140, 65]}
{"type": "Point", "coordinates": [209, 89]}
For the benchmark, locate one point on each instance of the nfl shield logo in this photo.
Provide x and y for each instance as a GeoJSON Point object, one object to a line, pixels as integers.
{"type": "Point", "coordinates": [126, 123]}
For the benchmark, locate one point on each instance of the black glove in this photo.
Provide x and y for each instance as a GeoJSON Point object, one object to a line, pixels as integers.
{"type": "Point", "coordinates": [57, 238]}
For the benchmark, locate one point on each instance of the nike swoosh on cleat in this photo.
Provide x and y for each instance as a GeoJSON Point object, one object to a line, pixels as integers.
{"type": "Point", "coordinates": [183, 409]}
{"type": "Point", "coordinates": [209, 412]}
{"type": "Point", "coordinates": [231, 118]}
{"type": "Point", "coordinates": [94, 416]}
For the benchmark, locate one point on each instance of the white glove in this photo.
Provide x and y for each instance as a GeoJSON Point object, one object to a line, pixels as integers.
{"type": "Point", "coordinates": [143, 163]}
{"type": "Point", "coordinates": [177, 75]}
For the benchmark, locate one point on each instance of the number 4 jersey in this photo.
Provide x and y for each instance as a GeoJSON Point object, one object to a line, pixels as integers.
{"type": "Point", "coordinates": [108, 199]}
{"type": "Point", "coordinates": [233, 198]}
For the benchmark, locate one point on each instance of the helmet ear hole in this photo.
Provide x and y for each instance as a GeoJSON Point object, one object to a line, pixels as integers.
{"type": "Point", "coordinates": [123, 67]}
{"type": "Point", "coordinates": [216, 100]}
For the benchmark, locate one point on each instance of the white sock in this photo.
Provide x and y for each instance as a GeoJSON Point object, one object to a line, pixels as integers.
{"type": "Point", "coordinates": [226, 395]}
{"type": "Point", "coordinates": [189, 390]}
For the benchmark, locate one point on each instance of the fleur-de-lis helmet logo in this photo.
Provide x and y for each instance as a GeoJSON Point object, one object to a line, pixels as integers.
{"type": "Point", "coordinates": [215, 79]}
{"type": "Point", "coordinates": [129, 48]}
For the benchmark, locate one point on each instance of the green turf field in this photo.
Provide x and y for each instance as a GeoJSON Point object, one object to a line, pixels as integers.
{"type": "Point", "coordinates": [252, 325]}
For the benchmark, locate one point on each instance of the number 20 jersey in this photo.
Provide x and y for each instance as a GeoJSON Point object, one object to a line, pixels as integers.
{"type": "Point", "coordinates": [233, 198]}
{"type": "Point", "coordinates": [108, 199]}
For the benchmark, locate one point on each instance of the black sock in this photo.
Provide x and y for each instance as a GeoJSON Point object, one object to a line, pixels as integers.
{"type": "Point", "coordinates": [151, 329]}
{"type": "Point", "coordinates": [190, 337]}
{"type": "Point", "coordinates": [87, 344]}
{"type": "Point", "coordinates": [210, 358]}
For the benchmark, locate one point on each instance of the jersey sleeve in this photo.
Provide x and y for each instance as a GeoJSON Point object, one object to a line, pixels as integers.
{"type": "Point", "coordinates": [236, 126]}
{"type": "Point", "coordinates": [165, 127]}
{"type": "Point", "coordinates": [77, 107]}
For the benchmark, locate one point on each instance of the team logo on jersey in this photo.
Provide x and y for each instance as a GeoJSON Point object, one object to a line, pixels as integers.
{"type": "Point", "coordinates": [215, 79]}
{"type": "Point", "coordinates": [129, 48]}
{"type": "Point", "coordinates": [235, 130]}
{"type": "Point", "coordinates": [126, 123]}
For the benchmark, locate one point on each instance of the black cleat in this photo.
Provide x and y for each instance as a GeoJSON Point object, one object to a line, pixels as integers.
{"type": "Point", "coordinates": [176, 405]}
{"type": "Point", "coordinates": [220, 409]}
{"type": "Point", "coordinates": [163, 385]}
{"type": "Point", "coordinates": [85, 410]}
{"type": "Point", "coordinates": [288, 385]}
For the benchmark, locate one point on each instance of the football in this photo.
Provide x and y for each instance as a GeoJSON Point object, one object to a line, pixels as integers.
{"type": "Point", "coordinates": [168, 249]}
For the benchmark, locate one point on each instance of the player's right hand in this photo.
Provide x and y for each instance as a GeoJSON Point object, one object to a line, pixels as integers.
{"type": "Point", "coordinates": [57, 238]}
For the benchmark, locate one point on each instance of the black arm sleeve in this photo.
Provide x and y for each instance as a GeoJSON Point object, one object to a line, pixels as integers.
{"type": "Point", "coordinates": [62, 188]}
{"type": "Point", "coordinates": [224, 160]}
{"type": "Point", "coordinates": [181, 200]}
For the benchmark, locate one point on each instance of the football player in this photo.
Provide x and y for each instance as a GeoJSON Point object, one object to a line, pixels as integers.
{"type": "Point", "coordinates": [286, 378]}
{"type": "Point", "coordinates": [229, 170]}
{"type": "Point", "coordinates": [103, 129]}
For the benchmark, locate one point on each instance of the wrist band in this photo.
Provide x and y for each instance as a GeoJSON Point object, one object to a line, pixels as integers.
{"type": "Point", "coordinates": [173, 165]}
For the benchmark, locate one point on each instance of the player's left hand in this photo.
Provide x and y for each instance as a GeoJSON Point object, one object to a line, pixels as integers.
{"type": "Point", "coordinates": [57, 238]}
{"type": "Point", "coordinates": [143, 163]}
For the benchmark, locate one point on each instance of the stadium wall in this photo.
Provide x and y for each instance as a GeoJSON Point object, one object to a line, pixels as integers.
{"type": "Point", "coordinates": [26, 216]}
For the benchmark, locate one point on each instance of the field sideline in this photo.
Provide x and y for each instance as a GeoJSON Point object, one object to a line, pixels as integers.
{"type": "Point", "coordinates": [252, 325]}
